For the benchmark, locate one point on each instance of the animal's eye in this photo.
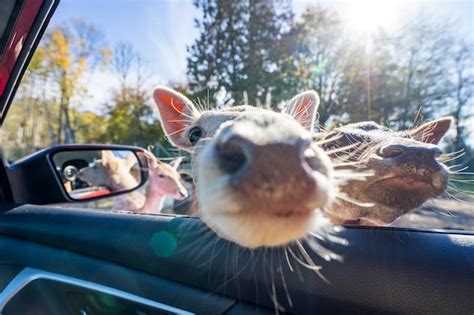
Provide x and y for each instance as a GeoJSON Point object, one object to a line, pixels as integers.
{"type": "Point", "coordinates": [161, 175]}
{"type": "Point", "coordinates": [194, 135]}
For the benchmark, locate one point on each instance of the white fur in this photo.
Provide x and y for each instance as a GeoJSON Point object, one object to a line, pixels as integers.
{"type": "Point", "coordinates": [219, 206]}
{"type": "Point", "coordinates": [256, 229]}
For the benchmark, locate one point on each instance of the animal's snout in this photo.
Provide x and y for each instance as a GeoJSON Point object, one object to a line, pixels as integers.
{"type": "Point", "coordinates": [238, 155]}
{"type": "Point", "coordinates": [276, 175]}
{"type": "Point", "coordinates": [415, 161]}
{"type": "Point", "coordinates": [398, 151]}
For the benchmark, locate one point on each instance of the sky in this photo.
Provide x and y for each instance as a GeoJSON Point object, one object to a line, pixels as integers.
{"type": "Point", "coordinates": [160, 30]}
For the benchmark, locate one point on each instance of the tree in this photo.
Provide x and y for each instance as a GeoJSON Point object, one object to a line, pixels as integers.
{"type": "Point", "coordinates": [30, 123]}
{"type": "Point", "coordinates": [70, 51]}
{"type": "Point", "coordinates": [264, 56]}
{"type": "Point", "coordinates": [401, 77]}
{"type": "Point", "coordinates": [215, 59]}
{"type": "Point", "coordinates": [422, 49]}
{"type": "Point", "coordinates": [319, 56]}
{"type": "Point", "coordinates": [90, 127]}
{"type": "Point", "coordinates": [131, 120]}
{"type": "Point", "coordinates": [235, 56]}
{"type": "Point", "coordinates": [43, 113]}
{"type": "Point", "coordinates": [461, 86]}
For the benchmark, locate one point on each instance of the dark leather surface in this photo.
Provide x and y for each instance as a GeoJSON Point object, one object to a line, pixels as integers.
{"type": "Point", "coordinates": [384, 270]}
{"type": "Point", "coordinates": [24, 253]}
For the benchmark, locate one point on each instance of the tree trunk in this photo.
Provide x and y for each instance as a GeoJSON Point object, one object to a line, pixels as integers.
{"type": "Point", "coordinates": [69, 134]}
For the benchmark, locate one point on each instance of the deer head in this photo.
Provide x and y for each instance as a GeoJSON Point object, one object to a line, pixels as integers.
{"type": "Point", "coordinates": [258, 176]}
{"type": "Point", "coordinates": [404, 166]}
{"type": "Point", "coordinates": [111, 171]}
{"type": "Point", "coordinates": [164, 178]}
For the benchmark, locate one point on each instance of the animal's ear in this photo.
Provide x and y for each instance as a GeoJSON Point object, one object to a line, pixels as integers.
{"type": "Point", "coordinates": [130, 161]}
{"type": "Point", "coordinates": [109, 160]}
{"type": "Point", "coordinates": [176, 162]}
{"type": "Point", "coordinates": [176, 112]}
{"type": "Point", "coordinates": [303, 107]}
{"type": "Point", "coordinates": [433, 131]}
{"type": "Point", "coordinates": [151, 159]}
{"type": "Point", "coordinates": [107, 156]}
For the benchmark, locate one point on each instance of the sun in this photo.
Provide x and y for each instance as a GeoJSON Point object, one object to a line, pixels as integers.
{"type": "Point", "coordinates": [368, 16]}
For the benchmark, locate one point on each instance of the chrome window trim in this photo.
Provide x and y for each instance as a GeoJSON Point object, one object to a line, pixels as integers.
{"type": "Point", "coordinates": [27, 275]}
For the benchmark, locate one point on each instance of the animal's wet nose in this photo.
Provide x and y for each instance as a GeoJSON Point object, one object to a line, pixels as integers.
{"type": "Point", "coordinates": [256, 165]}
{"type": "Point", "coordinates": [236, 152]}
{"type": "Point", "coordinates": [399, 150]}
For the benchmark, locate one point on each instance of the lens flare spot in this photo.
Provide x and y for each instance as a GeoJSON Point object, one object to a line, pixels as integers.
{"type": "Point", "coordinates": [163, 244]}
{"type": "Point", "coordinates": [107, 300]}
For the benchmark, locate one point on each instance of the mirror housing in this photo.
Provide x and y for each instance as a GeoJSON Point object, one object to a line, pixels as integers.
{"type": "Point", "coordinates": [44, 177]}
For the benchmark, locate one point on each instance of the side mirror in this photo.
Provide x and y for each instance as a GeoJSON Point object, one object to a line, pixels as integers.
{"type": "Point", "coordinates": [86, 174]}
{"type": "Point", "coordinates": [67, 173]}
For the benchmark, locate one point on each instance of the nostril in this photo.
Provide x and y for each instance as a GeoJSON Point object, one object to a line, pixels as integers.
{"type": "Point", "coordinates": [231, 155]}
{"type": "Point", "coordinates": [231, 163]}
{"type": "Point", "coordinates": [391, 151]}
{"type": "Point", "coordinates": [310, 156]}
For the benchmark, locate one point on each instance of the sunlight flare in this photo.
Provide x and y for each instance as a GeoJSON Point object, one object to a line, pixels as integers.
{"type": "Point", "coordinates": [368, 16]}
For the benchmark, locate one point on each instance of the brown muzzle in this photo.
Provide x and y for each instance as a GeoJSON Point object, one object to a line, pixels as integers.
{"type": "Point", "coordinates": [276, 177]}
{"type": "Point", "coordinates": [417, 162]}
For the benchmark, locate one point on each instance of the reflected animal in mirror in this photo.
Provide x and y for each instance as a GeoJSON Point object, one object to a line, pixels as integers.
{"type": "Point", "coordinates": [111, 171]}
{"type": "Point", "coordinates": [118, 174]}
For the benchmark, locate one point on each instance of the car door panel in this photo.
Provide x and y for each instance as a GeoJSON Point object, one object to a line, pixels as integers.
{"type": "Point", "coordinates": [390, 270]}
{"type": "Point", "coordinates": [82, 267]}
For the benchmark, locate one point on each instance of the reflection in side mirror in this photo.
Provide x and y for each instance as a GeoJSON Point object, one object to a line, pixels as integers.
{"type": "Point", "coordinates": [88, 174]}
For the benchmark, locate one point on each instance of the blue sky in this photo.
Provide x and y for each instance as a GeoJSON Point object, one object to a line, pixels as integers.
{"type": "Point", "coordinates": [158, 30]}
